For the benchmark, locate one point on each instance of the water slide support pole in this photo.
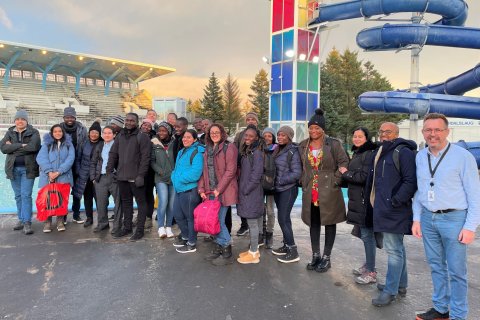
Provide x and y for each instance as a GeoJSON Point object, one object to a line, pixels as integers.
{"type": "Point", "coordinates": [414, 79]}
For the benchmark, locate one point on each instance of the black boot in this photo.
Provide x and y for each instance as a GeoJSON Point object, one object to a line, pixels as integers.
{"type": "Point", "coordinates": [316, 259]}
{"type": "Point", "coordinates": [291, 256]}
{"type": "Point", "coordinates": [215, 253]}
{"type": "Point", "coordinates": [324, 265]}
{"type": "Point", "coordinates": [225, 257]}
{"type": "Point", "coordinates": [269, 240]}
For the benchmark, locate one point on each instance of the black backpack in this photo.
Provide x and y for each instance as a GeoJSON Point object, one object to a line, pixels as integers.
{"type": "Point", "coordinates": [270, 170]}
{"type": "Point", "coordinates": [396, 156]}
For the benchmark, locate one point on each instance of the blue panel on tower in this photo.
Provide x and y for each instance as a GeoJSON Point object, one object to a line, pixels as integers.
{"type": "Point", "coordinates": [276, 77]}
{"type": "Point", "coordinates": [277, 51]}
{"type": "Point", "coordinates": [275, 107]}
{"type": "Point", "coordinates": [286, 106]}
{"type": "Point", "coordinates": [287, 44]}
{"type": "Point", "coordinates": [301, 106]}
{"type": "Point", "coordinates": [287, 76]}
{"type": "Point", "coordinates": [312, 104]}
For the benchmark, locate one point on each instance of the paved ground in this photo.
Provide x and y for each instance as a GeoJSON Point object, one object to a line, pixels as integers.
{"type": "Point", "coordinates": [81, 275]}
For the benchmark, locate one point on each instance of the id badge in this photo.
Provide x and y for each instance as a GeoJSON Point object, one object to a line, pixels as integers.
{"type": "Point", "coordinates": [431, 195]}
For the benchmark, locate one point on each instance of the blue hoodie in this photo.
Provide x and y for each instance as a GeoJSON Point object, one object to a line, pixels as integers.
{"type": "Point", "coordinates": [55, 159]}
{"type": "Point", "coordinates": [185, 176]}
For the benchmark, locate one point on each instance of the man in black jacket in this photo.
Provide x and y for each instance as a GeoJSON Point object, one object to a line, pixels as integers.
{"type": "Point", "coordinates": [130, 157]}
{"type": "Point", "coordinates": [21, 145]}
{"type": "Point", "coordinates": [181, 126]}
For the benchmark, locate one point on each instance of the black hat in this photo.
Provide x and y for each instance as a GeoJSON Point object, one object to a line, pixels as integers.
{"type": "Point", "coordinates": [317, 119]}
{"type": "Point", "coordinates": [95, 126]}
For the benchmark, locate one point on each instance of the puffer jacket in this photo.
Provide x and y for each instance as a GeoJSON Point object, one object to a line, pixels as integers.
{"type": "Point", "coordinates": [82, 163]}
{"type": "Point", "coordinates": [250, 190]}
{"type": "Point", "coordinates": [287, 174]}
{"type": "Point", "coordinates": [185, 176]}
{"type": "Point", "coordinates": [31, 138]}
{"type": "Point", "coordinates": [162, 161]}
{"type": "Point", "coordinates": [54, 159]}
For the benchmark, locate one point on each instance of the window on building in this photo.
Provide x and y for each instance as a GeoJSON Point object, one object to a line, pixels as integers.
{"type": "Point", "coordinates": [27, 74]}
{"type": "Point", "coordinates": [51, 77]}
{"type": "Point", "coordinates": [38, 76]}
{"type": "Point", "coordinates": [82, 80]}
{"type": "Point", "coordinates": [16, 73]}
{"type": "Point", "coordinates": [125, 85]}
{"type": "Point", "coordinates": [71, 79]}
{"type": "Point", "coordinates": [60, 78]}
{"type": "Point", "coordinates": [90, 82]}
{"type": "Point", "coordinates": [100, 83]}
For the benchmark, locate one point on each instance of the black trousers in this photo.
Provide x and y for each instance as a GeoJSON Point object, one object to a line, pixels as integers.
{"type": "Point", "coordinates": [88, 196]}
{"type": "Point", "coordinates": [315, 229]}
{"type": "Point", "coordinates": [127, 191]}
{"type": "Point", "coordinates": [149, 195]}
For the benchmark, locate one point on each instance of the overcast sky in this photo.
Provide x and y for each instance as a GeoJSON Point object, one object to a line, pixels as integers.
{"type": "Point", "coordinates": [198, 37]}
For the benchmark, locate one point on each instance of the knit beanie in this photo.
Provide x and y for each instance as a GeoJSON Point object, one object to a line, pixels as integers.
{"type": "Point", "coordinates": [252, 114]}
{"type": "Point", "coordinates": [95, 126]}
{"type": "Point", "coordinates": [117, 120]}
{"type": "Point", "coordinates": [288, 131]}
{"type": "Point", "coordinates": [21, 114]}
{"type": "Point", "coordinates": [167, 126]}
{"type": "Point", "coordinates": [317, 119]}
{"type": "Point", "coordinates": [70, 111]}
{"type": "Point", "coordinates": [269, 130]}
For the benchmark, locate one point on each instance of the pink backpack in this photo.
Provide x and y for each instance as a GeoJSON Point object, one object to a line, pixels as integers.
{"type": "Point", "coordinates": [205, 217]}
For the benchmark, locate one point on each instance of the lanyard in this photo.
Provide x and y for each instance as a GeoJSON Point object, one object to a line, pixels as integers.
{"type": "Point", "coordinates": [432, 172]}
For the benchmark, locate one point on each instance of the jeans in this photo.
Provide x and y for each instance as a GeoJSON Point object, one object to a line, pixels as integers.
{"type": "Point", "coordinates": [397, 263]}
{"type": "Point", "coordinates": [184, 204]}
{"type": "Point", "coordinates": [270, 212]}
{"type": "Point", "coordinates": [284, 201]}
{"type": "Point", "coordinates": [447, 258]}
{"type": "Point", "coordinates": [166, 199]}
{"type": "Point", "coordinates": [370, 244]}
{"type": "Point", "coordinates": [22, 187]}
{"type": "Point", "coordinates": [223, 237]}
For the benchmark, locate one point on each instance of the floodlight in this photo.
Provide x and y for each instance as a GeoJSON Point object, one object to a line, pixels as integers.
{"type": "Point", "coordinates": [315, 59]}
{"type": "Point", "coordinates": [151, 69]}
{"type": "Point", "coordinates": [289, 53]}
{"type": "Point", "coordinates": [302, 57]}
{"type": "Point", "coordinates": [2, 45]}
{"type": "Point", "coordinates": [80, 58]}
{"type": "Point", "coordinates": [44, 51]}
{"type": "Point", "coordinates": [265, 59]}
{"type": "Point", "coordinates": [113, 63]}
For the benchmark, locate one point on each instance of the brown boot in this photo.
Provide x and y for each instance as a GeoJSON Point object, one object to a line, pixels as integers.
{"type": "Point", "coordinates": [250, 257]}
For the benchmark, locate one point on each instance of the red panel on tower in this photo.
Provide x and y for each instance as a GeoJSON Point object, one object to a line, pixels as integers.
{"type": "Point", "coordinates": [277, 15]}
{"type": "Point", "coordinates": [288, 13]}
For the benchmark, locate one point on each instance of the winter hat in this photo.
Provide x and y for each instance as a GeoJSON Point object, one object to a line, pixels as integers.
{"type": "Point", "coordinates": [167, 126]}
{"type": "Point", "coordinates": [95, 126]}
{"type": "Point", "coordinates": [252, 114]}
{"type": "Point", "coordinates": [21, 114]}
{"type": "Point", "coordinates": [146, 120]}
{"type": "Point", "coordinates": [288, 131]}
{"type": "Point", "coordinates": [117, 120]}
{"type": "Point", "coordinates": [317, 119]}
{"type": "Point", "coordinates": [70, 112]}
{"type": "Point", "coordinates": [269, 130]}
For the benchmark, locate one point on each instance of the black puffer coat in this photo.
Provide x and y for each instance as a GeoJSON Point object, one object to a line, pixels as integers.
{"type": "Point", "coordinates": [356, 177]}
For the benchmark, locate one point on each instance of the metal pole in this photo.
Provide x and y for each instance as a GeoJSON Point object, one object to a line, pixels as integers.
{"type": "Point", "coordinates": [414, 79]}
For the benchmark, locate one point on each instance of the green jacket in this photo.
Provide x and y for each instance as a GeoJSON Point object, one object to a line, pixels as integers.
{"type": "Point", "coordinates": [31, 138]}
{"type": "Point", "coordinates": [162, 161]}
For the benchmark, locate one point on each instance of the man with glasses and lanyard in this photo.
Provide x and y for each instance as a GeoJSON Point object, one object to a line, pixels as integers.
{"type": "Point", "coordinates": [446, 211]}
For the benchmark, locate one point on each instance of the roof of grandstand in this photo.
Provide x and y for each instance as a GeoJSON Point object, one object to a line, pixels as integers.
{"type": "Point", "coordinates": [46, 60]}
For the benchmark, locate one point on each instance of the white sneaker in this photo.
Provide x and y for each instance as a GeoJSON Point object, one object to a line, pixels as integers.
{"type": "Point", "coordinates": [170, 233]}
{"type": "Point", "coordinates": [162, 233]}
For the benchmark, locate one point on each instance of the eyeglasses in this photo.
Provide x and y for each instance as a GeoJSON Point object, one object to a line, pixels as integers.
{"type": "Point", "coordinates": [430, 131]}
{"type": "Point", "coordinates": [216, 133]}
{"type": "Point", "coordinates": [386, 132]}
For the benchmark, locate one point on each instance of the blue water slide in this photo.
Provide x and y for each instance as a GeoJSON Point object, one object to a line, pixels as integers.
{"type": "Point", "coordinates": [457, 85]}
{"type": "Point", "coordinates": [453, 12]}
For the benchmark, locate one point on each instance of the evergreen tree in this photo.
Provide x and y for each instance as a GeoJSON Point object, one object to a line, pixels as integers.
{"type": "Point", "coordinates": [343, 79]}
{"type": "Point", "coordinates": [231, 102]}
{"type": "Point", "coordinates": [212, 100]}
{"type": "Point", "coordinates": [259, 98]}
{"type": "Point", "coordinates": [195, 108]}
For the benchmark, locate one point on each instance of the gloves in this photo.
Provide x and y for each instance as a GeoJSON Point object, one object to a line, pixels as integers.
{"type": "Point", "coordinates": [139, 182]}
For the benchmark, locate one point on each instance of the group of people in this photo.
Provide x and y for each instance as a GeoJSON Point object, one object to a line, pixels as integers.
{"type": "Point", "coordinates": [393, 191]}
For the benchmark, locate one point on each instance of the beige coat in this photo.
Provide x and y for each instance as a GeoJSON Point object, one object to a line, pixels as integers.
{"type": "Point", "coordinates": [332, 205]}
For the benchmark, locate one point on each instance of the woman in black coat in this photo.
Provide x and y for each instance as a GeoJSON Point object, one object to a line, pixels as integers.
{"type": "Point", "coordinates": [356, 177]}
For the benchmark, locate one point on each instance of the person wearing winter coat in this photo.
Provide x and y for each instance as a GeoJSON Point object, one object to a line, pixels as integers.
{"type": "Point", "coordinates": [130, 159]}
{"type": "Point", "coordinates": [105, 183]}
{"type": "Point", "coordinates": [162, 163]}
{"type": "Point", "coordinates": [323, 160]}
{"type": "Point", "coordinates": [390, 194]}
{"type": "Point", "coordinates": [83, 186]}
{"type": "Point", "coordinates": [356, 177]}
{"type": "Point", "coordinates": [185, 176]}
{"type": "Point", "coordinates": [79, 136]}
{"type": "Point", "coordinates": [147, 128]}
{"type": "Point", "coordinates": [288, 173]}
{"type": "Point", "coordinates": [21, 144]}
{"type": "Point", "coordinates": [250, 190]}
{"type": "Point", "coordinates": [219, 180]}
{"type": "Point", "coordinates": [269, 135]}
{"type": "Point", "coordinates": [55, 159]}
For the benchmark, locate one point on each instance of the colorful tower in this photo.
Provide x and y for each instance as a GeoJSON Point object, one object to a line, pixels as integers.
{"type": "Point", "coordinates": [294, 62]}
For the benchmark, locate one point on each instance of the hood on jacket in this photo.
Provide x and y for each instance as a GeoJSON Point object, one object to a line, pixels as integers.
{"type": "Point", "coordinates": [48, 139]}
{"type": "Point", "coordinates": [390, 145]}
